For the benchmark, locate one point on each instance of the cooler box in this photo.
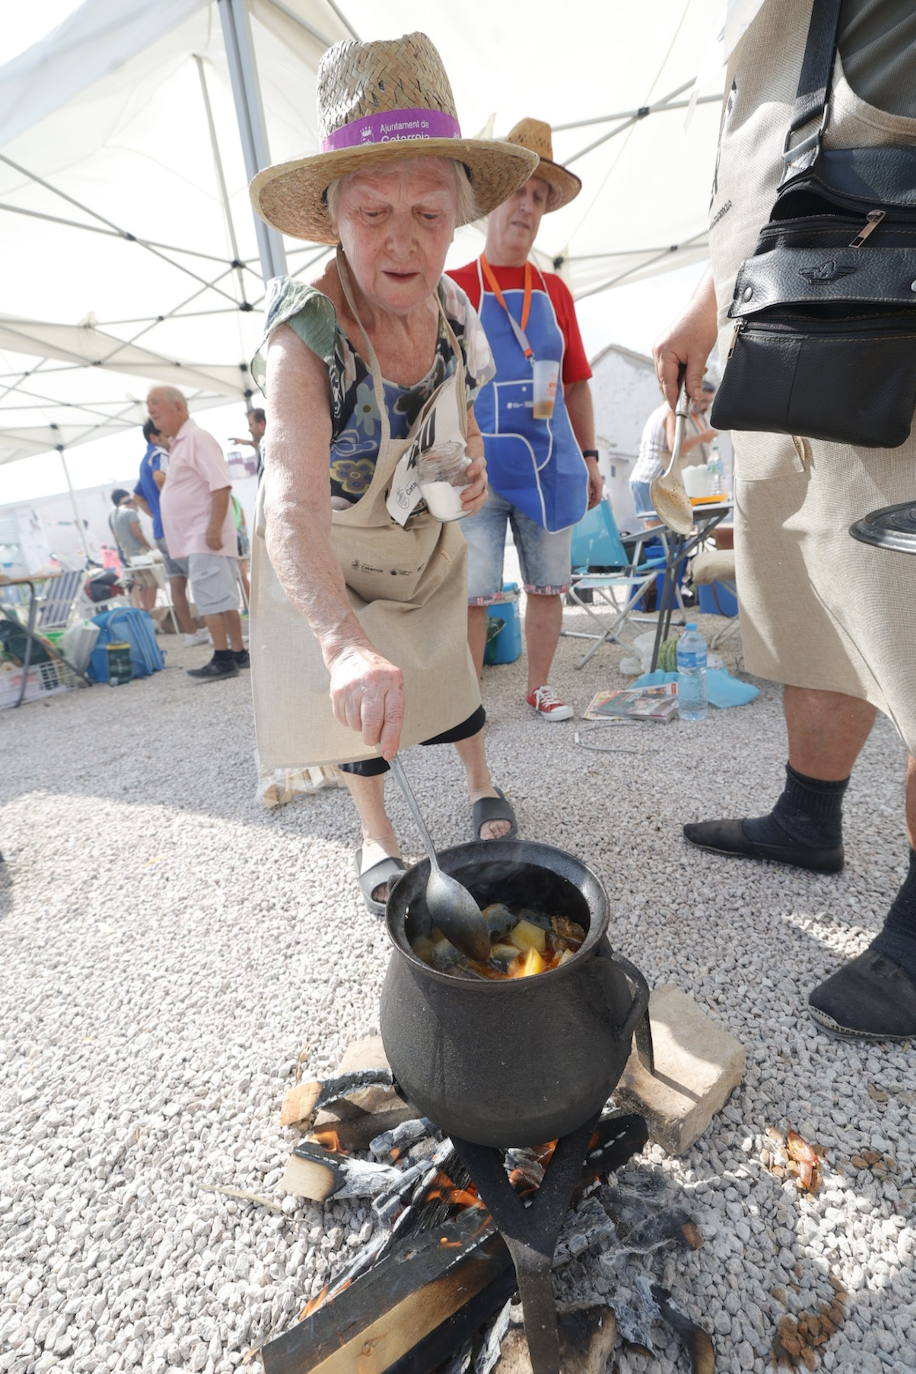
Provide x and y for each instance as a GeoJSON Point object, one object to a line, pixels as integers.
{"type": "Point", "coordinates": [717, 599]}
{"type": "Point", "coordinates": [505, 645]}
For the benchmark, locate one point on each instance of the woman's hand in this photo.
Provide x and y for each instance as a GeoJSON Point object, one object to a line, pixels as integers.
{"type": "Point", "coordinates": [367, 694]}
{"type": "Point", "coordinates": [476, 492]}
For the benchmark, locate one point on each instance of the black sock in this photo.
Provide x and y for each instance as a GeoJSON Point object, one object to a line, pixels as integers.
{"type": "Point", "coordinates": [809, 813]}
{"type": "Point", "coordinates": [224, 655]}
{"type": "Point", "coordinates": [898, 938]}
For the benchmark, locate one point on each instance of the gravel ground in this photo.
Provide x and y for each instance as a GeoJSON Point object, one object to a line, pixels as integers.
{"type": "Point", "coordinates": [169, 949]}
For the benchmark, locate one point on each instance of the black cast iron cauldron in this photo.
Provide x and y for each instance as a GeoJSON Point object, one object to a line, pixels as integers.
{"type": "Point", "coordinates": [520, 1061]}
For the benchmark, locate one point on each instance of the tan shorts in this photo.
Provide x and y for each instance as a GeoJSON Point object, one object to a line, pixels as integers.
{"type": "Point", "coordinates": [818, 608]}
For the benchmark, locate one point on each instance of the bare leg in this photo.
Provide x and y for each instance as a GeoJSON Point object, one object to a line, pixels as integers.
{"type": "Point", "coordinates": [179, 589]}
{"type": "Point", "coordinates": [233, 624]}
{"type": "Point", "coordinates": [473, 755]}
{"type": "Point", "coordinates": [378, 838]}
{"type": "Point", "coordinates": [543, 622]}
{"type": "Point", "coordinates": [147, 598]}
{"type": "Point", "coordinates": [477, 635]}
{"type": "Point", "coordinates": [216, 624]}
{"type": "Point", "coordinates": [826, 731]}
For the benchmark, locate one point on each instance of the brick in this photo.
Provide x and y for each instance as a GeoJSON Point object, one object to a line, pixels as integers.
{"type": "Point", "coordinates": [697, 1065]}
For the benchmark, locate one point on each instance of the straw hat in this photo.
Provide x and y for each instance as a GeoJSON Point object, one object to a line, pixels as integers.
{"type": "Point", "coordinates": [535, 135]}
{"type": "Point", "coordinates": [378, 102]}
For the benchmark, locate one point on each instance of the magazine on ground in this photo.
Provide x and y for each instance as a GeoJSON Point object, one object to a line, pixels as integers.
{"type": "Point", "coordinates": [658, 703]}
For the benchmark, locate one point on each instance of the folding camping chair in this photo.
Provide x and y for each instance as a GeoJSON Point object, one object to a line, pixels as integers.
{"type": "Point", "coordinates": [606, 563]}
{"type": "Point", "coordinates": [55, 604]}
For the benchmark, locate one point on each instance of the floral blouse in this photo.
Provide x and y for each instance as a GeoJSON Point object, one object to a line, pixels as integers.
{"type": "Point", "coordinates": [356, 426]}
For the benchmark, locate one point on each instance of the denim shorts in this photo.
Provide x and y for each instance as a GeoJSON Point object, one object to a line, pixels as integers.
{"type": "Point", "coordinates": [642, 497]}
{"type": "Point", "coordinates": [542, 555]}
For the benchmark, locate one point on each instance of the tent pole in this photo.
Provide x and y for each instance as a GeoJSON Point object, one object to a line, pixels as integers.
{"type": "Point", "coordinates": [249, 112]}
{"type": "Point", "coordinates": [76, 515]}
{"type": "Point", "coordinates": [221, 177]}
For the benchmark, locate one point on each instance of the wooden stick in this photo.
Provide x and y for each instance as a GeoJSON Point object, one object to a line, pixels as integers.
{"type": "Point", "coordinates": [390, 1144]}
{"type": "Point", "coordinates": [302, 1101]}
{"type": "Point", "coordinates": [317, 1173]}
{"type": "Point", "coordinates": [389, 1310]}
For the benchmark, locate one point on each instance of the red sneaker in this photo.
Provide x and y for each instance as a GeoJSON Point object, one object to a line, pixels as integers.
{"type": "Point", "coordinates": [548, 705]}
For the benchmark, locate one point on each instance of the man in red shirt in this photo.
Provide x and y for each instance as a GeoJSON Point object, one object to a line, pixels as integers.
{"type": "Point", "coordinates": [536, 419]}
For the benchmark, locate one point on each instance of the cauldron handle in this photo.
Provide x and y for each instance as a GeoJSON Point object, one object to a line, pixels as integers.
{"type": "Point", "coordinates": [636, 1021]}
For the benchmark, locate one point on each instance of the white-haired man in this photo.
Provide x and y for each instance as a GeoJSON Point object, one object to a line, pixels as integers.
{"type": "Point", "coordinates": [199, 528]}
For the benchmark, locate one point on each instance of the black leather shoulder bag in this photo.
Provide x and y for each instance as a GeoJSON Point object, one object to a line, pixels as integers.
{"type": "Point", "coordinates": [824, 344]}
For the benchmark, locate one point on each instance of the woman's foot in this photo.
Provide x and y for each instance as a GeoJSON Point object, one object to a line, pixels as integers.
{"type": "Point", "coordinates": [492, 816]}
{"type": "Point", "coordinates": [378, 861]}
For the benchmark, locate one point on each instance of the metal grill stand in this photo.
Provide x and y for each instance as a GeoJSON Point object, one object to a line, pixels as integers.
{"type": "Point", "coordinates": [531, 1230]}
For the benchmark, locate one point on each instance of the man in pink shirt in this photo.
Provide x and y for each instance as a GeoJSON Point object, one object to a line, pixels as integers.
{"type": "Point", "coordinates": [199, 528]}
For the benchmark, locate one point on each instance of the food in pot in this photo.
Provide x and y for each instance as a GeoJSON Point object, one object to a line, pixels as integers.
{"type": "Point", "coordinates": [522, 943]}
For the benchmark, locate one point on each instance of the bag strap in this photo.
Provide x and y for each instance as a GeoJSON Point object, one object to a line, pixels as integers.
{"type": "Point", "coordinates": [812, 99]}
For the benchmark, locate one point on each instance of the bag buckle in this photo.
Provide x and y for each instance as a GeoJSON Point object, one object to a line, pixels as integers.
{"type": "Point", "coordinates": [813, 141]}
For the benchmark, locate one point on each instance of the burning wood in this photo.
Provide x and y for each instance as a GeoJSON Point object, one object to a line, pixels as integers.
{"type": "Point", "coordinates": [302, 1101]}
{"type": "Point", "coordinates": [392, 1144]}
{"type": "Point", "coordinates": [320, 1174]}
{"type": "Point", "coordinates": [392, 1307]}
{"type": "Point", "coordinates": [588, 1335]}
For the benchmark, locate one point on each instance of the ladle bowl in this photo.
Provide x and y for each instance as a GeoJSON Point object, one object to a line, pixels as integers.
{"type": "Point", "coordinates": [670, 499]}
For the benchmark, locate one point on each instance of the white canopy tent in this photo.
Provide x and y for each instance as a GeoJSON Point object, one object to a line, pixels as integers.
{"type": "Point", "coordinates": [128, 134]}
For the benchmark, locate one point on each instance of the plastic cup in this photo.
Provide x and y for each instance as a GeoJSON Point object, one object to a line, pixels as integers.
{"type": "Point", "coordinates": [545, 374]}
{"type": "Point", "coordinates": [440, 473]}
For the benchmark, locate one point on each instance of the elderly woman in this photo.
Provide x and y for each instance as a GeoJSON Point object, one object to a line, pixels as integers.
{"type": "Point", "coordinates": [364, 371]}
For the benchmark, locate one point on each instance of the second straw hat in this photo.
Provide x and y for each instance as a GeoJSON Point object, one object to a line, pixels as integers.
{"type": "Point", "coordinates": [535, 135]}
{"type": "Point", "coordinates": [378, 102]}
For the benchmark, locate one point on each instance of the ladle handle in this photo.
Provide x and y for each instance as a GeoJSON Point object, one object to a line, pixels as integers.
{"type": "Point", "coordinates": [397, 769]}
{"type": "Point", "coordinates": [681, 413]}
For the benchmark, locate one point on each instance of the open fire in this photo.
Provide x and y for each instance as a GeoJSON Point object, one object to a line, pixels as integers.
{"type": "Point", "coordinates": [439, 1281]}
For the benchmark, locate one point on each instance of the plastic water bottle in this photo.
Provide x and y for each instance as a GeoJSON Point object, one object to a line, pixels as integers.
{"type": "Point", "coordinates": [691, 674]}
{"type": "Point", "coordinates": [716, 471]}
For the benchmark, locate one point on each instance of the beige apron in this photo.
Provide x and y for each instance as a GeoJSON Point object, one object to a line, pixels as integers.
{"type": "Point", "coordinates": [819, 609]}
{"type": "Point", "coordinates": [408, 588]}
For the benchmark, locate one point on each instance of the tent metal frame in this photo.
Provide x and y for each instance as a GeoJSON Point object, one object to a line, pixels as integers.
{"type": "Point", "coordinates": [272, 256]}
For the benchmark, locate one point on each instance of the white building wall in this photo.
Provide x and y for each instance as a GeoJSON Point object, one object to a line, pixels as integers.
{"type": "Point", "coordinates": [624, 392]}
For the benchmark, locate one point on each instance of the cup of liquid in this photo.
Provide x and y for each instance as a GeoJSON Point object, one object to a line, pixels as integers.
{"type": "Point", "coordinates": [544, 375]}
{"type": "Point", "coordinates": [441, 475]}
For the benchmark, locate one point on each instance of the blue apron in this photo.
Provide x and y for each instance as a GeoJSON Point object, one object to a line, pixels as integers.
{"type": "Point", "coordinates": [534, 464]}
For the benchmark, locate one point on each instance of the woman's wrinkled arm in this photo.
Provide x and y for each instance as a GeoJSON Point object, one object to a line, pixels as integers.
{"type": "Point", "coordinates": [366, 690]}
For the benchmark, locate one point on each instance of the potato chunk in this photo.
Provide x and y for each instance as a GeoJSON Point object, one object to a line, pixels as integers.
{"type": "Point", "coordinates": [526, 936]}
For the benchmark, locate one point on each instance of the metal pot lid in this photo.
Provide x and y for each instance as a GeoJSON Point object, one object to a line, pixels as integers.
{"type": "Point", "coordinates": [892, 527]}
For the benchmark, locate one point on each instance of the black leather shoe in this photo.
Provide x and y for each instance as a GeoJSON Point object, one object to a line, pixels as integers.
{"type": "Point", "coordinates": [728, 837]}
{"type": "Point", "coordinates": [241, 658]}
{"type": "Point", "coordinates": [214, 670]}
{"type": "Point", "coordinates": [870, 998]}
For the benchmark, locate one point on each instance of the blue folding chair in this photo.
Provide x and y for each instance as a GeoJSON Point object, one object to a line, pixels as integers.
{"type": "Point", "coordinates": [608, 563]}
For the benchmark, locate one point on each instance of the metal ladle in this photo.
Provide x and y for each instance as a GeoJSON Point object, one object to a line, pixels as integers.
{"type": "Point", "coordinates": [669, 498]}
{"type": "Point", "coordinates": [450, 905]}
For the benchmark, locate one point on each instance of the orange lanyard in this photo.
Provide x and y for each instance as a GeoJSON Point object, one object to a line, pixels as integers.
{"type": "Point", "coordinates": [517, 328]}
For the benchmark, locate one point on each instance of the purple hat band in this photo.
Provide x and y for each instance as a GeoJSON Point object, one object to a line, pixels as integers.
{"type": "Point", "coordinates": [391, 126]}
